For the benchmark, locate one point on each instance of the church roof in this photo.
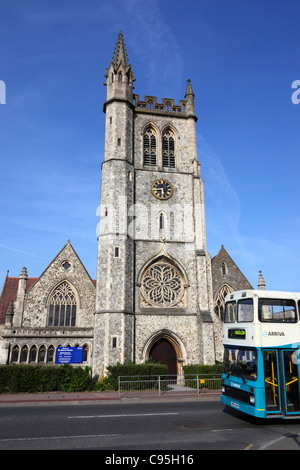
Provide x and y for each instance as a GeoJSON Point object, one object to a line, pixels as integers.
{"type": "Point", "coordinates": [9, 292]}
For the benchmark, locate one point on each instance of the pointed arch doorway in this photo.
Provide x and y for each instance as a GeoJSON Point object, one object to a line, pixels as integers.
{"type": "Point", "coordinates": [164, 352]}
{"type": "Point", "coordinates": [166, 347]}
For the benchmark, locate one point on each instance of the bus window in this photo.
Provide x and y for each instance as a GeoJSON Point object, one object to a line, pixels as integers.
{"type": "Point", "coordinates": [245, 310]}
{"type": "Point", "coordinates": [230, 309]}
{"type": "Point", "coordinates": [277, 310]}
{"type": "Point", "coordinates": [241, 363]}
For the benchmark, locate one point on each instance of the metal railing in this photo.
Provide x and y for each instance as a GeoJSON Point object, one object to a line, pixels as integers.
{"type": "Point", "coordinates": [166, 385]}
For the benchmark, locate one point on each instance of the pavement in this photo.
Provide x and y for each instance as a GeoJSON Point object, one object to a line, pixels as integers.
{"type": "Point", "coordinates": [67, 398]}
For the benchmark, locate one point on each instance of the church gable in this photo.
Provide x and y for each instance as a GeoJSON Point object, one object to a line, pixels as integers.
{"type": "Point", "coordinates": [65, 278]}
{"type": "Point", "coordinates": [226, 277]}
{"type": "Point", "coordinates": [225, 271]}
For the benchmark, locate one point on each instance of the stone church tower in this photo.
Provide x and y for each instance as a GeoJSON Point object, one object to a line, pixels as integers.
{"type": "Point", "coordinates": [158, 293]}
{"type": "Point", "coordinates": [154, 295]}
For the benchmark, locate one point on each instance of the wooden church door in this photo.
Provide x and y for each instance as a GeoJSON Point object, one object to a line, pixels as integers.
{"type": "Point", "coordinates": [164, 352]}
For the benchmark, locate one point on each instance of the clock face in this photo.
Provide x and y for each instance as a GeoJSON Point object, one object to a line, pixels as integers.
{"type": "Point", "coordinates": [162, 189]}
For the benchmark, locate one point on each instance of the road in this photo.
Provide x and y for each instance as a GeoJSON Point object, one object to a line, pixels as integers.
{"type": "Point", "coordinates": [186, 426]}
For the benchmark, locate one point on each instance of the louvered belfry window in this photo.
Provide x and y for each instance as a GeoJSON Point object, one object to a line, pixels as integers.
{"type": "Point", "coordinates": [168, 148]}
{"type": "Point", "coordinates": [62, 306]}
{"type": "Point", "coordinates": [149, 148]}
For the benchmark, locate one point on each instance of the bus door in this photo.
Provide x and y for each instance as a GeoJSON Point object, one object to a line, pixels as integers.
{"type": "Point", "coordinates": [291, 381]}
{"type": "Point", "coordinates": [272, 389]}
{"type": "Point", "coordinates": [281, 382]}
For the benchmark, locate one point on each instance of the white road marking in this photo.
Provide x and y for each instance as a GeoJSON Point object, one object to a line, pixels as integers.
{"type": "Point", "coordinates": [122, 415]}
{"type": "Point", "coordinates": [46, 438]}
{"type": "Point", "coordinates": [275, 441]}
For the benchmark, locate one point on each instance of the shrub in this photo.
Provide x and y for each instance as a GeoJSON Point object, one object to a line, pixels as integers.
{"type": "Point", "coordinates": [15, 378]}
{"type": "Point", "coordinates": [193, 369]}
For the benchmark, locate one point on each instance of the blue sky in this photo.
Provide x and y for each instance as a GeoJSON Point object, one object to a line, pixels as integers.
{"type": "Point", "coordinates": [242, 58]}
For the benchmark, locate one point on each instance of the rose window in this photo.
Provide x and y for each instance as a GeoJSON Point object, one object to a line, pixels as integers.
{"type": "Point", "coordinates": [162, 285]}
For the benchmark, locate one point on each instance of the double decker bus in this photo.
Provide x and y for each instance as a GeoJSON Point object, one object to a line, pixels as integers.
{"type": "Point", "coordinates": [261, 338]}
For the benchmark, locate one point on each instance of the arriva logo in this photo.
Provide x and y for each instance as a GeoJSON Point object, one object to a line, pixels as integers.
{"type": "Point", "coordinates": [273, 333]}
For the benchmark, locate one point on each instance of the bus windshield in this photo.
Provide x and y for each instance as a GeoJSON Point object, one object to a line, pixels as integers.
{"type": "Point", "coordinates": [277, 310]}
{"type": "Point", "coordinates": [240, 363]}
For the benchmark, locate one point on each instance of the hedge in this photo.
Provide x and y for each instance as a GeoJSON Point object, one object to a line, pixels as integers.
{"type": "Point", "coordinates": [21, 378]}
{"type": "Point", "coordinates": [25, 378]}
{"type": "Point", "coordinates": [193, 369]}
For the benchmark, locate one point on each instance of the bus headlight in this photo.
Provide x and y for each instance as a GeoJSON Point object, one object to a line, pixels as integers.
{"type": "Point", "coordinates": [252, 399]}
{"type": "Point", "coordinates": [223, 388]}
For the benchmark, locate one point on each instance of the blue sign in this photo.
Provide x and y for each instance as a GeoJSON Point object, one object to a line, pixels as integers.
{"type": "Point", "coordinates": [69, 355]}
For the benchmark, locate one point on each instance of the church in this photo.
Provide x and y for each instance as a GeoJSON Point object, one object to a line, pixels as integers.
{"type": "Point", "coordinates": [158, 292]}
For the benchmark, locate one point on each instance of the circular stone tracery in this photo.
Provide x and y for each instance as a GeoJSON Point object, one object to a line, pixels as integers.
{"type": "Point", "coordinates": [162, 285]}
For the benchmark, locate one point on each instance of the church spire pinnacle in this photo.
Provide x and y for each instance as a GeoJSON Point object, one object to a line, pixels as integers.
{"type": "Point", "coordinates": [261, 282]}
{"type": "Point", "coordinates": [120, 54]}
{"type": "Point", "coordinates": [189, 89]}
{"type": "Point", "coordinates": [119, 75]}
{"type": "Point", "coordinates": [189, 96]}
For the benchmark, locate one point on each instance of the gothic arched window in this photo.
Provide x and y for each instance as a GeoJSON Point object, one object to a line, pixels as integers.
{"type": "Point", "coordinates": [220, 300]}
{"type": "Point", "coordinates": [162, 220]}
{"type": "Point", "coordinates": [85, 353]}
{"type": "Point", "coordinates": [162, 285]}
{"type": "Point", "coordinates": [168, 149]}
{"type": "Point", "coordinates": [224, 268]}
{"type": "Point", "coordinates": [42, 354]}
{"type": "Point", "coordinates": [62, 306]}
{"type": "Point", "coordinates": [50, 354]}
{"type": "Point", "coordinates": [15, 353]}
{"type": "Point", "coordinates": [149, 147]}
{"type": "Point", "coordinates": [32, 354]}
{"type": "Point", "coordinates": [24, 354]}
